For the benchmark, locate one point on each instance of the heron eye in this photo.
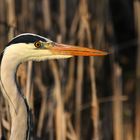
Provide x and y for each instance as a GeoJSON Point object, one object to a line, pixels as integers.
{"type": "Point", "coordinates": [37, 44]}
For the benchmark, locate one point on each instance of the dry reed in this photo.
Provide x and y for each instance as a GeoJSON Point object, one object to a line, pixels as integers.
{"type": "Point", "coordinates": [66, 97]}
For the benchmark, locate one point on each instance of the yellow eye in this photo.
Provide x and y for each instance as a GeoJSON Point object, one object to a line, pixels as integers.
{"type": "Point", "coordinates": [37, 44]}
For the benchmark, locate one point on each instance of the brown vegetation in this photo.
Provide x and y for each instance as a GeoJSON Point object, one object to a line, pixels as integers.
{"type": "Point", "coordinates": [79, 98]}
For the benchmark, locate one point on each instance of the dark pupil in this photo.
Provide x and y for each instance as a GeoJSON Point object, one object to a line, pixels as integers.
{"type": "Point", "coordinates": [37, 44]}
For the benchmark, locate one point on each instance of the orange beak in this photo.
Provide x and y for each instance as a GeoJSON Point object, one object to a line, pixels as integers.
{"type": "Point", "coordinates": [63, 49]}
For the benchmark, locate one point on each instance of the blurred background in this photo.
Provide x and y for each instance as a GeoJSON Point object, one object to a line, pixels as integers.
{"type": "Point", "coordinates": [90, 98]}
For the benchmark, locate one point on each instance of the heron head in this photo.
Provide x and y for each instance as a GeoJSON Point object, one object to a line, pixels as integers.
{"type": "Point", "coordinates": [27, 47]}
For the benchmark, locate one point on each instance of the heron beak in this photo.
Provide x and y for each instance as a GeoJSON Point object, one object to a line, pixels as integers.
{"type": "Point", "coordinates": [63, 49]}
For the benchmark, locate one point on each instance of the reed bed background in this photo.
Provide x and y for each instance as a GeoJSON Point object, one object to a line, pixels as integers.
{"type": "Point", "coordinates": [80, 98]}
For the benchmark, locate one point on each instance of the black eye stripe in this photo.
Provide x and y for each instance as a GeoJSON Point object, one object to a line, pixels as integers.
{"type": "Point", "coordinates": [26, 38]}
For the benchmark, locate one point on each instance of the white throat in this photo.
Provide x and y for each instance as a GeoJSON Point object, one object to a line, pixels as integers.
{"type": "Point", "coordinates": [17, 105]}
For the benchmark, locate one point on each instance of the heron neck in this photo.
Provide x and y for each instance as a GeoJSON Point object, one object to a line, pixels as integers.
{"type": "Point", "coordinates": [17, 105]}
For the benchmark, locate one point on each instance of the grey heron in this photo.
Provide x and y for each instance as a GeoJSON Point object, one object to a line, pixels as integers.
{"type": "Point", "coordinates": [23, 48]}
